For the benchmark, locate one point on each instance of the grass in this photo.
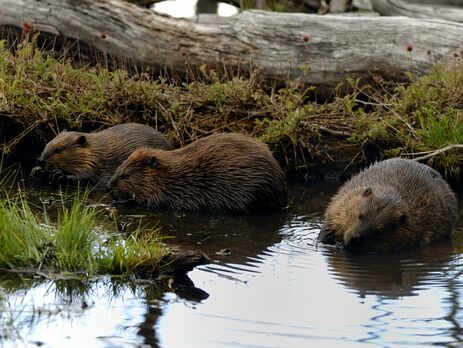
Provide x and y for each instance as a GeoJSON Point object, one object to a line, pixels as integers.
{"type": "Point", "coordinates": [41, 94]}
{"type": "Point", "coordinates": [75, 243]}
{"type": "Point", "coordinates": [422, 116]}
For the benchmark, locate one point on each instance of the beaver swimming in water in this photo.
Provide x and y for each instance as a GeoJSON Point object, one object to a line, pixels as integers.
{"type": "Point", "coordinates": [222, 172]}
{"type": "Point", "coordinates": [393, 204]}
{"type": "Point", "coordinates": [94, 157]}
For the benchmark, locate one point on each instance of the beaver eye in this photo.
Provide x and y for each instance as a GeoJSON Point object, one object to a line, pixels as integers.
{"type": "Point", "coordinates": [58, 150]}
{"type": "Point", "coordinates": [361, 216]}
{"type": "Point", "coordinates": [123, 176]}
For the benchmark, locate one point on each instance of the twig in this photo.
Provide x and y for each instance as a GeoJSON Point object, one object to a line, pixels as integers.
{"type": "Point", "coordinates": [439, 151]}
{"type": "Point", "coordinates": [371, 103]}
{"type": "Point", "coordinates": [343, 134]}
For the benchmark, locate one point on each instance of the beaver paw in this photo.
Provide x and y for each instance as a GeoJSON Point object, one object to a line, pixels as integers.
{"type": "Point", "coordinates": [37, 172]}
{"type": "Point", "coordinates": [57, 175]}
{"type": "Point", "coordinates": [71, 179]}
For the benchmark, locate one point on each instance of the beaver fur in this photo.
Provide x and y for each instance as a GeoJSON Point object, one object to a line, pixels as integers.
{"type": "Point", "coordinates": [393, 204]}
{"type": "Point", "coordinates": [223, 172]}
{"type": "Point", "coordinates": [94, 157]}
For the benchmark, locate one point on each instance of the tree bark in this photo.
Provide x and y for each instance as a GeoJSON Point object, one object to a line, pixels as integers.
{"type": "Point", "coordinates": [317, 50]}
{"type": "Point", "coordinates": [402, 8]}
{"type": "Point", "coordinates": [438, 2]}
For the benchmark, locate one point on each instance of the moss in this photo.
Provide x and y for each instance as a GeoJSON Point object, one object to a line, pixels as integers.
{"type": "Point", "coordinates": [43, 93]}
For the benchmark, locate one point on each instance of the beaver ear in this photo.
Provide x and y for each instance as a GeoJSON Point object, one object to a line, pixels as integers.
{"type": "Point", "coordinates": [82, 140]}
{"type": "Point", "coordinates": [368, 191]}
{"type": "Point", "coordinates": [152, 161]}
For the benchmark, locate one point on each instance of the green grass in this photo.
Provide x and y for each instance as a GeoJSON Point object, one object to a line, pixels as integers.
{"type": "Point", "coordinates": [75, 243]}
{"type": "Point", "coordinates": [422, 116]}
{"type": "Point", "coordinates": [41, 94]}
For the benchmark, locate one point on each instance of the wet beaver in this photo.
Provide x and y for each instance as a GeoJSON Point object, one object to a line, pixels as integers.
{"type": "Point", "coordinates": [94, 157]}
{"type": "Point", "coordinates": [223, 172]}
{"type": "Point", "coordinates": [393, 204]}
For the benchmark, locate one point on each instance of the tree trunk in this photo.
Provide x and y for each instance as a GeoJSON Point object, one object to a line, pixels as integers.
{"type": "Point", "coordinates": [317, 50]}
{"type": "Point", "coordinates": [437, 2]}
{"type": "Point", "coordinates": [402, 8]}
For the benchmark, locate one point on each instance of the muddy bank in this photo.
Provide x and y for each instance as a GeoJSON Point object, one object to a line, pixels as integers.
{"type": "Point", "coordinates": [311, 139]}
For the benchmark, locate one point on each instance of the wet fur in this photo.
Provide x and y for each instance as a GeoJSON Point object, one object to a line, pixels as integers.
{"type": "Point", "coordinates": [223, 172]}
{"type": "Point", "coordinates": [391, 205]}
{"type": "Point", "coordinates": [94, 157]}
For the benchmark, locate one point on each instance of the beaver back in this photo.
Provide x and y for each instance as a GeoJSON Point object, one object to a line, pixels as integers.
{"type": "Point", "coordinates": [223, 172]}
{"type": "Point", "coordinates": [393, 204]}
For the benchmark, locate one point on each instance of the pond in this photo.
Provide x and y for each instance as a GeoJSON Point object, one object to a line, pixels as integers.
{"type": "Point", "coordinates": [270, 285]}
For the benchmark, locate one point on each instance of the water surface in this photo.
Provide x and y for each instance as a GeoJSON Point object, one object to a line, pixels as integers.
{"type": "Point", "coordinates": [270, 285]}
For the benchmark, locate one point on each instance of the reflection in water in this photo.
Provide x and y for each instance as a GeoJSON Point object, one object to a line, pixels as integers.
{"type": "Point", "coordinates": [190, 8]}
{"type": "Point", "coordinates": [390, 275]}
{"type": "Point", "coordinates": [273, 287]}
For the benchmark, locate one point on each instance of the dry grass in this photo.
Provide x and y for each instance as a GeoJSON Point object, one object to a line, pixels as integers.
{"type": "Point", "coordinates": [40, 95]}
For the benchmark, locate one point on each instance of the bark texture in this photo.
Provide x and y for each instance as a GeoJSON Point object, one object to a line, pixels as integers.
{"type": "Point", "coordinates": [415, 10]}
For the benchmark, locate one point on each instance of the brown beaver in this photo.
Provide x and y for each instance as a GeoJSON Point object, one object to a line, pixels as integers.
{"type": "Point", "coordinates": [223, 172]}
{"type": "Point", "coordinates": [393, 204]}
{"type": "Point", "coordinates": [94, 157]}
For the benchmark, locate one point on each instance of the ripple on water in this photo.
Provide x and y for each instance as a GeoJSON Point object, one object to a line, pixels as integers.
{"type": "Point", "coordinates": [274, 287]}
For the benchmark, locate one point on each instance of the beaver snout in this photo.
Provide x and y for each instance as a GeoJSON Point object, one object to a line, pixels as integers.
{"type": "Point", "coordinates": [118, 195]}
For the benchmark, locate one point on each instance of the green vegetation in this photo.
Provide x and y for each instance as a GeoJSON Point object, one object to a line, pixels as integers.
{"type": "Point", "coordinates": [40, 95]}
{"type": "Point", "coordinates": [420, 117]}
{"type": "Point", "coordinates": [76, 243]}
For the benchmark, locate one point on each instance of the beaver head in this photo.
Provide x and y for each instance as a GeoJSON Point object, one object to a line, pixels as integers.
{"type": "Point", "coordinates": [69, 152]}
{"type": "Point", "coordinates": [142, 177]}
{"type": "Point", "coordinates": [365, 218]}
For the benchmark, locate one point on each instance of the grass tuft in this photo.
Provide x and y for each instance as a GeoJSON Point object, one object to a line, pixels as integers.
{"type": "Point", "coordinates": [76, 243]}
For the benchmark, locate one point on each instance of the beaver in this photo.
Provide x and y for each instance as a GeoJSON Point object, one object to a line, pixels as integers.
{"type": "Point", "coordinates": [393, 204]}
{"type": "Point", "coordinates": [94, 157]}
{"type": "Point", "coordinates": [221, 173]}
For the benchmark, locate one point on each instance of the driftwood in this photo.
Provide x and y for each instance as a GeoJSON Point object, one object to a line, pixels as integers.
{"type": "Point", "coordinates": [404, 8]}
{"type": "Point", "coordinates": [437, 2]}
{"type": "Point", "coordinates": [317, 50]}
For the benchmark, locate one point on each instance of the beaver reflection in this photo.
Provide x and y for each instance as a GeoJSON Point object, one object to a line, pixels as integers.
{"type": "Point", "coordinates": [228, 237]}
{"type": "Point", "coordinates": [389, 275]}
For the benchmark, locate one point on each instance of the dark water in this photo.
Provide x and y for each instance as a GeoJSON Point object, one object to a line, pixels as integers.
{"type": "Point", "coordinates": [270, 285]}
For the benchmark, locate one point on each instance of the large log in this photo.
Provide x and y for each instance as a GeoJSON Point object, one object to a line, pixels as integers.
{"type": "Point", "coordinates": [402, 8]}
{"type": "Point", "coordinates": [318, 50]}
{"type": "Point", "coordinates": [438, 2]}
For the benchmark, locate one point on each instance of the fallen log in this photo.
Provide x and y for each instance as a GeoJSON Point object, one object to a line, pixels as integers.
{"type": "Point", "coordinates": [316, 50]}
{"type": "Point", "coordinates": [403, 8]}
{"type": "Point", "coordinates": [440, 2]}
